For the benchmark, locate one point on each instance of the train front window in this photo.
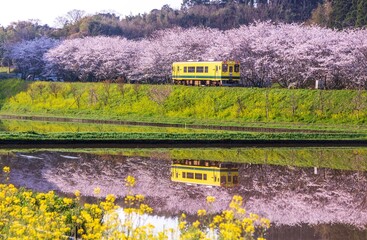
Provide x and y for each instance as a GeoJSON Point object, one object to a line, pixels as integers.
{"type": "Point", "coordinates": [236, 67]}
{"type": "Point", "coordinates": [230, 68]}
{"type": "Point", "coordinates": [224, 68]}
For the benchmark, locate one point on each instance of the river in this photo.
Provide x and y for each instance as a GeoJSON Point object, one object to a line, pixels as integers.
{"type": "Point", "coordinates": [307, 193]}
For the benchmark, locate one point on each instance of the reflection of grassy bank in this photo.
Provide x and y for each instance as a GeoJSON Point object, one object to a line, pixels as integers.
{"type": "Point", "coordinates": [334, 158]}
{"type": "Point", "coordinates": [60, 127]}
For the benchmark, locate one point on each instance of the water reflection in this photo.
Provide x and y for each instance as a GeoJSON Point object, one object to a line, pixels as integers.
{"type": "Point", "coordinates": [211, 173]}
{"type": "Point", "coordinates": [302, 202]}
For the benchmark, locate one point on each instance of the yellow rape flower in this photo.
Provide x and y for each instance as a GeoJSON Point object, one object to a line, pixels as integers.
{"type": "Point", "coordinates": [250, 229]}
{"type": "Point", "coordinates": [182, 225]}
{"type": "Point", "coordinates": [77, 193]}
{"type": "Point", "coordinates": [201, 212]}
{"type": "Point", "coordinates": [210, 199]}
{"type": "Point", "coordinates": [6, 169]}
{"type": "Point", "coordinates": [67, 201]}
{"type": "Point", "coordinates": [130, 181]}
{"type": "Point", "coordinates": [97, 191]}
{"type": "Point", "coordinates": [196, 224]}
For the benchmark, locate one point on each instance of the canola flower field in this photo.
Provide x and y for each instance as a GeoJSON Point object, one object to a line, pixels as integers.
{"type": "Point", "coordinates": [25, 214]}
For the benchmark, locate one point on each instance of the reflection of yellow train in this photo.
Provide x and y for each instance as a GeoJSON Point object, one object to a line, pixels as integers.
{"type": "Point", "coordinates": [205, 172]}
{"type": "Point", "coordinates": [216, 73]}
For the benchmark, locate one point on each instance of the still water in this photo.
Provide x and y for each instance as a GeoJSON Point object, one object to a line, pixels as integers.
{"type": "Point", "coordinates": [318, 197]}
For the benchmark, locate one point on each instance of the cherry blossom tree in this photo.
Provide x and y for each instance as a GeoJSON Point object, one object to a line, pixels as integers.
{"type": "Point", "coordinates": [94, 58]}
{"type": "Point", "coordinates": [27, 56]}
{"type": "Point", "coordinates": [291, 55]}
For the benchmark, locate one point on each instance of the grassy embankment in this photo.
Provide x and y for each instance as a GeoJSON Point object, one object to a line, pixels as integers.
{"type": "Point", "coordinates": [341, 112]}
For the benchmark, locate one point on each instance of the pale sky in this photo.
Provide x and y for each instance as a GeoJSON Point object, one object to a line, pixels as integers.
{"type": "Point", "coordinates": [48, 10]}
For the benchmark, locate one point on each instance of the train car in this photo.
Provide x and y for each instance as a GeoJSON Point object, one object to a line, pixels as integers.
{"type": "Point", "coordinates": [216, 73]}
{"type": "Point", "coordinates": [205, 173]}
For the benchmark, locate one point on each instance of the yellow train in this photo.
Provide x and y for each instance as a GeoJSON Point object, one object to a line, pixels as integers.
{"type": "Point", "coordinates": [205, 172]}
{"type": "Point", "coordinates": [216, 73]}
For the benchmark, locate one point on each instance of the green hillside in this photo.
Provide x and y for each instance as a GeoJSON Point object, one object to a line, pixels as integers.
{"type": "Point", "coordinates": [181, 104]}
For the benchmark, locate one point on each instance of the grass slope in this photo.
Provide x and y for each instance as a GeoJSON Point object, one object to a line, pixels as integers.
{"type": "Point", "coordinates": [297, 108]}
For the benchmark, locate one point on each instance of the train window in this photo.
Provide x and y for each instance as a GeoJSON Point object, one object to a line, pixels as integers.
{"type": "Point", "coordinates": [178, 68]}
{"type": "Point", "coordinates": [198, 176]}
{"type": "Point", "coordinates": [205, 176]}
{"type": "Point", "coordinates": [176, 174]}
{"type": "Point", "coordinates": [236, 67]}
{"type": "Point", "coordinates": [229, 179]}
{"type": "Point", "coordinates": [235, 179]}
{"type": "Point", "coordinates": [183, 174]}
{"type": "Point", "coordinates": [230, 68]}
{"type": "Point", "coordinates": [185, 69]}
{"type": "Point", "coordinates": [190, 175]}
{"type": "Point", "coordinates": [199, 69]}
{"type": "Point", "coordinates": [216, 68]}
{"type": "Point", "coordinates": [222, 179]}
{"type": "Point", "coordinates": [206, 69]}
{"type": "Point", "coordinates": [224, 67]}
{"type": "Point", "coordinates": [191, 69]}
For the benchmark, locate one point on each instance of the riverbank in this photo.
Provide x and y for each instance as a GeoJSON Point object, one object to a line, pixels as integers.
{"type": "Point", "coordinates": [278, 113]}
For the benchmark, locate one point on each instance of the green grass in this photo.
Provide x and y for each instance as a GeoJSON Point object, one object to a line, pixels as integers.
{"type": "Point", "coordinates": [10, 88]}
{"type": "Point", "coordinates": [342, 111]}
{"type": "Point", "coordinates": [154, 136]}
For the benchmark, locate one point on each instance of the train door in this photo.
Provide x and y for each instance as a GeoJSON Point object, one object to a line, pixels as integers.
{"type": "Point", "coordinates": [230, 73]}
{"type": "Point", "coordinates": [217, 74]}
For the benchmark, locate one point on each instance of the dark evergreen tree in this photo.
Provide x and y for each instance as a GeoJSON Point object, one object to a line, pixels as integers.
{"type": "Point", "coordinates": [361, 16]}
{"type": "Point", "coordinates": [341, 9]}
